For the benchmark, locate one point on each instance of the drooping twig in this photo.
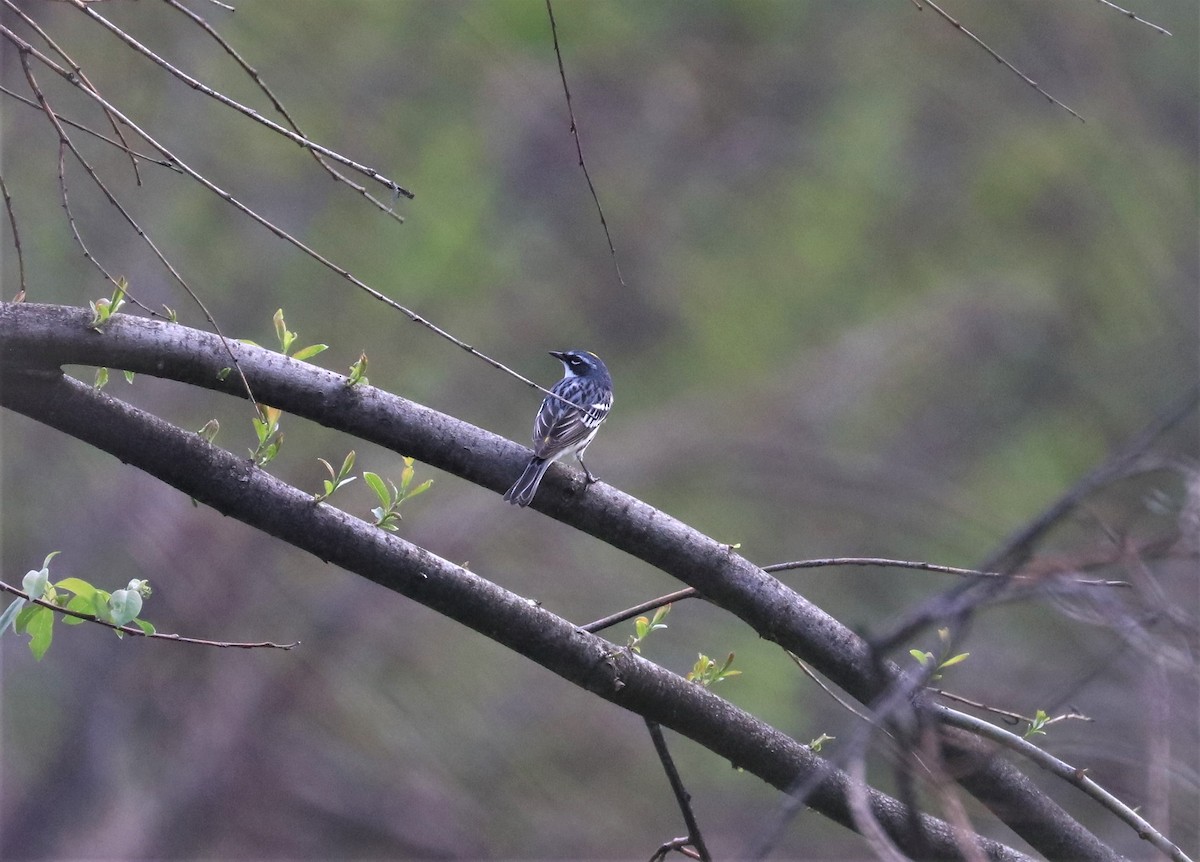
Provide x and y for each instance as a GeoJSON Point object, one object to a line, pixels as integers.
{"type": "Point", "coordinates": [578, 144]}
{"type": "Point", "coordinates": [78, 70]}
{"type": "Point", "coordinates": [74, 125]}
{"type": "Point", "coordinates": [682, 797]}
{"type": "Point", "coordinates": [958, 26]}
{"type": "Point", "coordinates": [138, 632]}
{"type": "Point", "coordinates": [25, 50]}
{"type": "Point", "coordinates": [302, 141]}
{"type": "Point", "coordinates": [12, 220]}
{"type": "Point", "coordinates": [278, 105]}
{"type": "Point", "coordinates": [1140, 20]}
{"type": "Point", "coordinates": [24, 46]}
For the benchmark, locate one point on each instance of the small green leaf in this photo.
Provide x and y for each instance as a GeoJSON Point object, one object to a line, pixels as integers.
{"type": "Point", "coordinates": [224, 373]}
{"type": "Point", "coordinates": [148, 628]}
{"type": "Point", "coordinates": [129, 375]}
{"type": "Point", "coordinates": [81, 604]}
{"type": "Point", "coordinates": [78, 586]}
{"type": "Point", "coordinates": [311, 350]}
{"type": "Point", "coordinates": [40, 628]}
{"type": "Point", "coordinates": [921, 656]}
{"type": "Point", "coordinates": [377, 485]}
{"type": "Point", "coordinates": [953, 661]}
{"type": "Point", "coordinates": [101, 378]}
{"type": "Point", "coordinates": [420, 489]}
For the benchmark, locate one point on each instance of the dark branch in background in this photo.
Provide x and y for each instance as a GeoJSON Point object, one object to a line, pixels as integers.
{"type": "Point", "coordinates": [1015, 551]}
{"type": "Point", "coordinates": [12, 221]}
{"type": "Point", "coordinates": [33, 336]}
{"type": "Point", "coordinates": [579, 146]}
{"type": "Point", "coordinates": [958, 26]}
{"type": "Point", "coordinates": [137, 632]}
{"type": "Point", "coordinates": [235, 487]}
{"type": "Point", "coordinates": [682, 797]}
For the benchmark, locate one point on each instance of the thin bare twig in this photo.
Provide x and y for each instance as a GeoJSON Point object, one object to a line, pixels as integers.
{"type": "Point", "coordinates": [682, 797]}
{"type": "Point", "coordinates": [1064, 770]}
{"type": "Point", "coordinates": [25, 50]}
{"type": "Point", "coordinates": [958, 26]}
{"type": "Point", "coordinates": [269, 225]}
{"type": "Point", "coordinates": [579, 146]}
{"type": "Point", "coordinates": [78, 70]}
{"type": "Point", "coordinates": [12, 220]}
{"type": "Point", "coordinates": [137, 46]}
{"type": "Point", "coordinates": [925, 567]}
{"type": "Point", "coordinates": [74, 125]}
{"type": "Point", "coordinates": [1009, 717]}
{"type": "Point", "coordinates": [278, 105]}
{"type": "Point", "coordinates": [630, 613]}
{"type": "Point", "coordinates": [1129, 14]}
{"type": "Point", "coordinates": [138, 632]}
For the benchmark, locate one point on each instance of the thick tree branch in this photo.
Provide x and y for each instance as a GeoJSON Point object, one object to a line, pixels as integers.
{"type": "Point", "coordinates": [38, 336]}
{"type": "Point", "coordinates": [237, 488]}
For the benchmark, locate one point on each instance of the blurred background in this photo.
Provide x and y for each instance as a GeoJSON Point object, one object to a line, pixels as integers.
{"type": "Point", "coordinates": [881, 299]}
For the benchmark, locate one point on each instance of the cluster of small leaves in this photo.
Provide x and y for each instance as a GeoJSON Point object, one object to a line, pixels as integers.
{"type": "Point", "coordinates": [706, 672]}
{"type": "Point", "coordinates": [106, 307]}
{"type": "Point", "coordinates": [358, 372]}
{"type": "Point", "coordinates": [270, 438]}
{"type": "Point", "coordinates": [643, 626]}
{"type": "Point", "coordinates": [1036, 727]}
{"type": "Point", "coordinates": [287, 339]}
{"type": "Point", "coordinates": [120, 607]}
{"type": "Point", "coordinates": [336, 479]}
{"type": "Point", "coordinates": [940, 663]}
{"type": "Point", "coordinates": [387, 513]}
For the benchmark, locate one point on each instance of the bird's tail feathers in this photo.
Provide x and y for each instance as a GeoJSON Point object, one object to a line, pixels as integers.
{"type": "Point", "coordinates": [522, 491]}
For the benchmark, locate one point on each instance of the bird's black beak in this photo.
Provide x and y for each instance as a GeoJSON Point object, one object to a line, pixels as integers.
{"type": "Point", "coordinates": [559, 355]}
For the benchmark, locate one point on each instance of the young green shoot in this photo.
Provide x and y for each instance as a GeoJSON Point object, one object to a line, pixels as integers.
{"type": "Point", "coordinates": [707, 672]}
{"type": "Point", "coordinates": [104, 308]}
{"type": "Point", "coordinates": [336, 479]}
{"type": "Point", "coordinates": [270, 438]}
{"type": "Point", "coordinates": [387, 513]}
{"type": "Point", "coordinates": [940, 663]}
{"type": "Point", "coordinates": [358, 372]}
{"type": "Point", "coordinates": [644, 626]}
{"type": "Point", "coordinates": [287, 339]}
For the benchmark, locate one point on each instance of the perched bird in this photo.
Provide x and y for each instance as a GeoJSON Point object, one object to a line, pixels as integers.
{"type": "Point", "coordinates": [568, 420]}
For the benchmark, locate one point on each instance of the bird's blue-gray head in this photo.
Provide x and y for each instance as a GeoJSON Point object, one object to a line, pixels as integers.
{"type": "Point", "coordinates": [583, 363]}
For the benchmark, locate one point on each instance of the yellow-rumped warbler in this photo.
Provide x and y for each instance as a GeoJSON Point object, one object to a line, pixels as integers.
{"type": "Point", "coordinates": [562, 429]}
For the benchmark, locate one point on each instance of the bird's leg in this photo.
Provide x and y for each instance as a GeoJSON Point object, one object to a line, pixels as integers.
{"type": "Point", "coordinates": [590, 478]}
